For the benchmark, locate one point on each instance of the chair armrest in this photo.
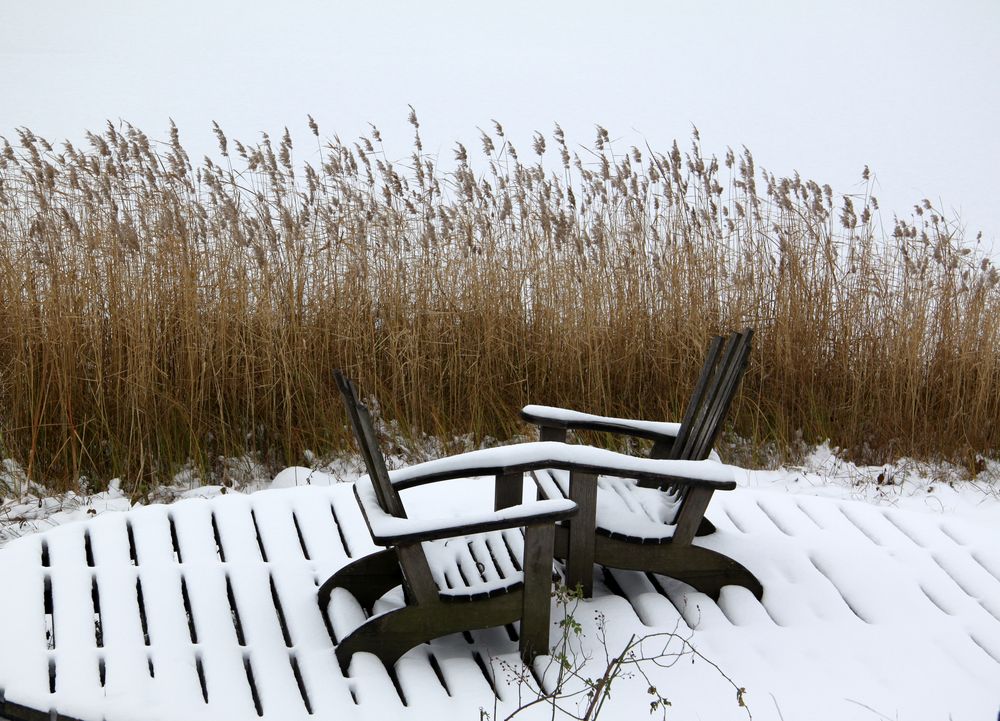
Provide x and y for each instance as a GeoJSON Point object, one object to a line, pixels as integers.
{"type": "Point", "coordinates": [552, 417]}
{"type": "Point", "coordinates": [524, 457]}
{"type": "Point", "coordinates": [388, 530]}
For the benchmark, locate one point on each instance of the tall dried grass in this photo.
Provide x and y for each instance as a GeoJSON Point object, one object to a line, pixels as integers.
{"type": "Point", "coordinates": [155, 312]}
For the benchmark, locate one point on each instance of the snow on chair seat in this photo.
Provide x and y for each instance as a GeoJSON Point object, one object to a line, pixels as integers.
{"type": "Point", "coordinates": [625, 509]}
{"type": "Point", "coordinates": [479, 565]}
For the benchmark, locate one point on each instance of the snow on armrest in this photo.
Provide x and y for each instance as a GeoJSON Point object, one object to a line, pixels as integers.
{"type": "Point", "coordinates": [387, 529]}
{"type": "Point", "coordinates": [565, 418]}
{"type": "Point", "coordinates": [523, 457]}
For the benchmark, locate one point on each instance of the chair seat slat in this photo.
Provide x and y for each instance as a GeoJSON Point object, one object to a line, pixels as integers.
{"type": "Point", "coordinates": [470, 567]}
{"type": "Point", "coordinates": [624, 509]}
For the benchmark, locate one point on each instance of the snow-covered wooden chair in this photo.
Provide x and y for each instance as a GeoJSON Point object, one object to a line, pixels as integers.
{"type": "Point", "coordinates": [493, 579]}
{"type": "Point", "coordinates": [647, 525]}
{"type": "Point", "coordinates": [477, 571]}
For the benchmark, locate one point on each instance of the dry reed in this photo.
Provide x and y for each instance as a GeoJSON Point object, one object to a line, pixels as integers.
{"type": "Point", "coordinates": [154, 312]}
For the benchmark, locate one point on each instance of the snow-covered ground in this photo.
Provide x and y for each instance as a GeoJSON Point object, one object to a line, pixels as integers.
{"type": "Point", "coordinates": [882, 599]}
{"type": "Point", "coordinates": [936, 488]}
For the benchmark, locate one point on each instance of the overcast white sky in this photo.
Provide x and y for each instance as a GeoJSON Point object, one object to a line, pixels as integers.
{"type": "Point", "coordinates": [906, 86]}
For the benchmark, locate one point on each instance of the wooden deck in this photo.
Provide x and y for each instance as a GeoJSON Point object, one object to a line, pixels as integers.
{"type": "Point", "coordinates": [207, 610]}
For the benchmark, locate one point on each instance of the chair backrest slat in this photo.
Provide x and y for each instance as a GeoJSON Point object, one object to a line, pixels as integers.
{"type": "Point", "coordinates": [717, 385]}
{"type": "Point", "coordinates": [727, 391]}
{"type": "Point", "coordinates": [364, 431]}
{"type": "Point", "coordinates": [697, 398]}
{"type": "Point", "coordinates": [696, 432]}
{"type": "Point", "coordinates": [714, 393]}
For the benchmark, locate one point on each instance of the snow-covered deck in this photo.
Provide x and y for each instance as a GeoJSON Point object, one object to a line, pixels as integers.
{"type": "Point", "coordinates": [206, 609]}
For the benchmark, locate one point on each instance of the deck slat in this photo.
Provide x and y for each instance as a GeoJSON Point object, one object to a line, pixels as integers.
{"type": "Point", "coordinates": [75, 651]}
{"type": "Point", "coordinates": [819, 603]}
{"type": "Point", "coordinates": [277, 530]}
{"type": "Point", "coordinates": [151, 531]}
{"type": "Point", "coordinates": [266, 647]}
{"type": "Point", "coordinates": [317, 523]}
{"type": "Point", "coordinates": [124, 648]}
{"type": "Point", "coordinates": [22, 619]}
{"type": "Point", "coordinates": [192, 521]}
{"type": "Point", "coordinates": [171, 650]}
{"type": "Point", "coordinates": [236, 531]}
{"type": "Point", "coordinates": [218, 649]}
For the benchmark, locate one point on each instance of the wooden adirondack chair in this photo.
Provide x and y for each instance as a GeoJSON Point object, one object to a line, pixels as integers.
{"type": "Point", "coordinates": [503, 577]}
{"type": "Point", "coordinates": [644, 525]}
{"type": "Point", "coordinates": [503, 593]}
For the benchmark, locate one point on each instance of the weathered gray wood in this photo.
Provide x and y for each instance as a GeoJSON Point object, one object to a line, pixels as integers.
{"type": "Point", "coordinates": [459, 529]}
{"type": "Point", "coordinates": [661, 448]}
{"type": "Point", "coordinates": [703, 416]}
{"type": "Point", "coordinates": [715, 405]}
{"type": "Point", "coordinates": [537, 562]}
{"type": "Point", "coordinates": [417, 578]}
{"type": "Point", "coordinates": [697, 399]}
{"type": "Point", "coordinates": [478, 469]}
{"type": "Point", "coordinates": [721, 408]}
{"type": "Point", "coordinates": [580, 561]}
{"type": "Point", "coordinates": [552, 433]}
{"type": "Point", "coordinates": [368, 578]}
{"type": "Point", "coordinates": [508, 490]}
{"type": "Point", "coordinates": [16, 712]}
{"type": "Point", "coordinates": [417, 573]}
{"type": "Point", "coordinates": [392, 634]}
{"type": "Point", "coordinates": [365, 434]}
{"type": "Point", "coordinates": [686, 446]}
{"type": "Point", "coordinates": [708, 571]}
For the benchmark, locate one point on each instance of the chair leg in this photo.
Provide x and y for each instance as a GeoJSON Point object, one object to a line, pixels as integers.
{"type": "Point", "coordinates": [561, 545]}
{"type": "Point", "coordinates": [538, 543]}
{"type": "Point", "coordinates": [368, 578]}
{"type": "Point", "coordinates": [580, 556]}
